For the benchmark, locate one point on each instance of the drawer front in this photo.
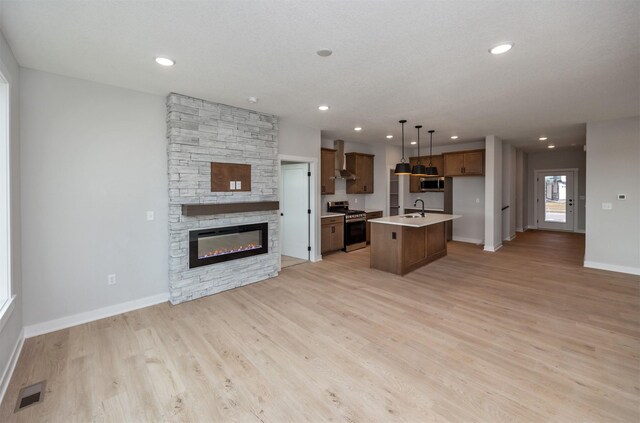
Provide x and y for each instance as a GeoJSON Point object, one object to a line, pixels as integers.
{"type": "Point", "coordinates": [374, 215]}
{"type": "Point", "coordinates": [332, 220]}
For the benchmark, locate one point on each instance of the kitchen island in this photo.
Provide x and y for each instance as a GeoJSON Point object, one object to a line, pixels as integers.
{"type": "Point", "coordinates": [401, 244]}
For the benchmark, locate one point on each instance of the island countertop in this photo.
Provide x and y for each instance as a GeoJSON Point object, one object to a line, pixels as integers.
{"type": "Point", "coordinates": [416, 222]}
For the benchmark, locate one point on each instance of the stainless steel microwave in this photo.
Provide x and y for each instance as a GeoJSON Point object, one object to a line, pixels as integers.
{"type": "Point", "coordinates": [432, 184]}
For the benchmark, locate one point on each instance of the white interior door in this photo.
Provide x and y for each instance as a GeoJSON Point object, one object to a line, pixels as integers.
{"type": "Point", "coordinates": [295, 203]}
{"type": "Point", "coordinates": [555, 202]}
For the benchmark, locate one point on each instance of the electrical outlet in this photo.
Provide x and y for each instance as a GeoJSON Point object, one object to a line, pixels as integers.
{"type": "Point", "coordinates": [111, 279]}
{"type": "Point", "coordinates": [355, 200]}
{"type": "Point", "coordinates": [232, 185]}
{"type": "Point", "coordinates": [477, 200]}
{"type": "Point", "coordinates": [607, 206]}
{"type": "Point", "coordinates": [150, 215]}
{"type": "Point", "coordinates": [238, 184]}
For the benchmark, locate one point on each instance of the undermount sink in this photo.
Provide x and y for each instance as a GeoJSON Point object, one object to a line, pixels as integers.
{"type": "Point", "coordinates": [411, 216]}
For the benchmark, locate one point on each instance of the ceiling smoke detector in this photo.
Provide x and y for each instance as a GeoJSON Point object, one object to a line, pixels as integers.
{"type": "Point", "coordinates": [252, 100]}
{"type": "Point", "coordinates": [325, 52]}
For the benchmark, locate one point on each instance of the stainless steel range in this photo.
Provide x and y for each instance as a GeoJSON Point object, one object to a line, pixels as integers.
{"type": "Point", "coordinates": [355, 225]}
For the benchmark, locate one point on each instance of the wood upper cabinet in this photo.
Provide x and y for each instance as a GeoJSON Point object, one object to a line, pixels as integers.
{"type": "Point", "coordinates": [464, 163]}
{"type": "Point", "coordinates": [414, 181]}
{"type": "Point", "coordinates": [331, 234]}
{"type": "Point", "coordinates": [327, 171]}
{"type": "Point", "coordinates": [361, 165]}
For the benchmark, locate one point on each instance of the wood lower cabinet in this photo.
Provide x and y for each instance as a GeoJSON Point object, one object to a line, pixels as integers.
{"type": "Point", "coordinates": [327, 171]}
{"type": "Point", "coordinates": [437, 161]}
{"type": "Point", "coordinates": [371, 215]}
{"type": "Point", "coordinates": [464, 163]}
{"type": "Point", "coordinates": [361, 165]}
{"type": "Point", "coordinates": [331, 234]}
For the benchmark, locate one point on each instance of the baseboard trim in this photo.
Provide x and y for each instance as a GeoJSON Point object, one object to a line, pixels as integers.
{"type": "Point", "coordinates": [469, 240]}
{"type": "Point", "coordinates": [579, 231]}
{"type": "Point", "coordinates": [89, 316]}
{"type": "Point", "coordinates": [11, 366]}
{"type": "Point", "coordinates": [510, 238]}
{"type": "Point", "coordinates": [492, 249]}
{"type": "Point", "coordinates": [520, 230]}
{"type": "Point", "coordinates": [612, 267]}
{"type": "Point", "coordinates": [532, 227]}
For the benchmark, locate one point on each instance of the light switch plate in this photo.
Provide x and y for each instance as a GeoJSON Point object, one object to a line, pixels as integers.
{"type": "Point", "coordinates": [150, 215]}
{"type": "Point", "coordinates": [238, 184]}
{"type": "Point", "coordinates": [232, 185]}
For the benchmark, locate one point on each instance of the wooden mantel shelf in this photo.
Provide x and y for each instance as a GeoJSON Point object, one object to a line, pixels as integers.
{"type": "Point", "coordinates": [225, 208]}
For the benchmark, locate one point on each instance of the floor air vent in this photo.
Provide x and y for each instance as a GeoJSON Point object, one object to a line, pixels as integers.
{"type": "Point", "coordinates": [30, 395]}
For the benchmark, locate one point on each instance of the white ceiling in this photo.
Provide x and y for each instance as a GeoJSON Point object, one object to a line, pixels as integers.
{"type": "Point", "coordinates": [425, 61]}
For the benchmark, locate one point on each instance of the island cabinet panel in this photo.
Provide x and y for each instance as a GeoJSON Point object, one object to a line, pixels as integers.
{"type": "Point", "coordinates": [331, 234]}
{"type": "Point", "coordinates": [361, 165]}
{"type": "Point", "coordinates": [464, 163]}
{"type": "Point", "coordinates": [437, 161]}
{"type": "Point", "coordinates": [403, 249]}
{"type": "Point", "coordinates": [371, 215]}
{"type": "Point", "coordinates": [437, 236]}
{"type": "Point", "coordinates": [327, 171]}
{"type": "Point", "coordinates": [386, 255]}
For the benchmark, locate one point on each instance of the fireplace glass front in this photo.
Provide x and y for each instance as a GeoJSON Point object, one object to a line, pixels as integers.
{"type": "Point", "coordinates": [216, 245]}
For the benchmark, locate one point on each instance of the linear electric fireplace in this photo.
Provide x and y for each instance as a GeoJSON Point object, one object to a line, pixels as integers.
{"type": "Point", "coordinates": [209, 246]}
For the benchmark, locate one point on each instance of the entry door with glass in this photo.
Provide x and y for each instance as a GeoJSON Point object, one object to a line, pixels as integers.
{"type": "Point", "coordinates": [555, 202]}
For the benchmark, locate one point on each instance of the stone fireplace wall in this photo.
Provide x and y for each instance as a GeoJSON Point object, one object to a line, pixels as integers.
{"type": "Point", "coordinates": [201, 132]}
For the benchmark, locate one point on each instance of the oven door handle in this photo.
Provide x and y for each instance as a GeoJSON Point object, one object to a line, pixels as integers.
{"type": "Point", "coordinates": [362, 219]}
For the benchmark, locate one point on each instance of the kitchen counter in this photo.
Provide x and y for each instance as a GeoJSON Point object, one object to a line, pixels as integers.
{"type": "Point", "coordinates": [417, 210]}
{"type": "Point", "coordinates": [401, 245]}
{"type": "Point", "coordinates": [416, 222]}
{"type": "Point", "coordinates": [372, 210]}
{"type": "Point", "coordinates": [330, 214]}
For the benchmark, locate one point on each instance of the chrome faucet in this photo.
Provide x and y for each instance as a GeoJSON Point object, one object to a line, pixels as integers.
{"type": "Point", "coordinates": [416, 202]}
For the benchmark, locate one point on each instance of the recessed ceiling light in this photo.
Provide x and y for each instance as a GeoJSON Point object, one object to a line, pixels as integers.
{"type": "Point", "coordinates": [357, 128]}
{"type": "Point", "coordinates": [389, 136]}
{"type": "Point", "coordinates": [551, 146]}
{"type": "Point", "coordinates": [454, 137]}
{"type": "Point", "coordinates": [414, 142]}
{"type": "Point", "coordinates": [325, 52]}
{"type": "Point", "coordinates": [501, 48]}
{"type": "Point", "coordinates": [323, 108]}
{"type": "Point", "coordinates": [542, 138]}
{"type": "Point", "coordinates": [165, 61]}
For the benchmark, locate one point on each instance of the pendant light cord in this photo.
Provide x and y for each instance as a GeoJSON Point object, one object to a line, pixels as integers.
{"type": "Point", "coordinates": [430, 145]}
{"type": "Point", "coordinates": [402, 122]}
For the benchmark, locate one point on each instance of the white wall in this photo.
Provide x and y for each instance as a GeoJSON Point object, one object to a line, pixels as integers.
{"type": "Point", "coordinates": [11, 332]}
{"type": "Point", "coordinates": [493, 194]}
{"type": "Point", "coordinates": [561, 159]}
{"type": "Point", "coordinates": [301, 141]}
{"type": "Point", "coordinates": [613, 167]}
{"type": "Point", "coordinates": [521, 190]}
{"type": "Point", "coordinates": [93, 162]}
{"type": "Point", "coordinates": [509, 181]}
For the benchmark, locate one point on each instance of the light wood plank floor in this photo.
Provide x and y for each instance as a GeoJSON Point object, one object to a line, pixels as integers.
{"type": "Point", "coordinates": [521, 335]}
{"type": "Point", "coordinates": [288, 261]}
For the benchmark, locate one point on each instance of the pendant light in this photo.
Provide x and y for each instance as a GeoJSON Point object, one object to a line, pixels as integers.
{"type": "Point", "coordinates": [431, 169]}
{"type": "Point", "coordinates": [403, 168]}
{"type": "Point", "coordinates": [419, 169]}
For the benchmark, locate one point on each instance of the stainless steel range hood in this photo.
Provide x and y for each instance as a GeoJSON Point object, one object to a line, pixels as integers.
{"type": "Point", "coordinates": [341, 169]}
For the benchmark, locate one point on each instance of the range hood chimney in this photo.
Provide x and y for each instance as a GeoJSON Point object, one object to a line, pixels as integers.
{"type": "Point", "coordinates": [341, 169]}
